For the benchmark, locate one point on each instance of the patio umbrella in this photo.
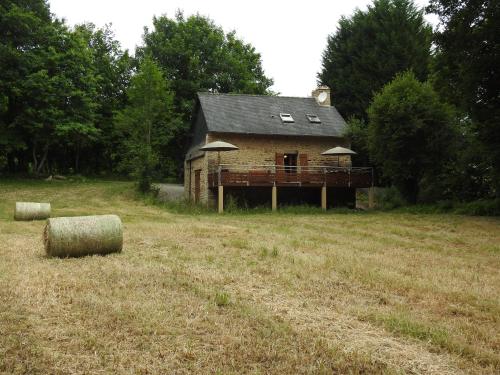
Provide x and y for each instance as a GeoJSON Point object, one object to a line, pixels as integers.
{"type": "Point", "coordinates": [338, 151]}
{"type": "Point", "coordinates": [219, 146]}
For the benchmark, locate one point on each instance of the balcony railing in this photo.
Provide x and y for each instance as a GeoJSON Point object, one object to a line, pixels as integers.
{"type": "Point", "coordinates": [279, 175]}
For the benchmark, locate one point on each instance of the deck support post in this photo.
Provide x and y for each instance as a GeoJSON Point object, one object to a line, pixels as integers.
{"type": "Point", "coordinates": [221, 199]}
{"type": "Point", "coordinates": [274, 198]}
{"type": "Point", "coordinates": [371, 197]}
{"type": "Point", "coordinates": [323, 197]}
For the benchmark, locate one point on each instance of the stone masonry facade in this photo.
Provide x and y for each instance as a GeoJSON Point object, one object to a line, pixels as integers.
{"type": "Point", "coordinates": [257, 150]}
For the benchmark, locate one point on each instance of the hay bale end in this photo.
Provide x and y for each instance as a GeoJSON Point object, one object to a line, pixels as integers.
{"type": "Point", "coordinates": [83, 235]}
{"type": "Point", "coordinates": [31, 211]}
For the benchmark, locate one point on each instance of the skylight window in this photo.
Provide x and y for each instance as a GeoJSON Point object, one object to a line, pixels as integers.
{"type": "Point", "coordinates": [313, 118]}
{"type": "Point", "coordinates": [286, 117]}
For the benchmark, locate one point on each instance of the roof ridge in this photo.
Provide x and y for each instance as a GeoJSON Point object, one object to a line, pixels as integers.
{"type": "Point", "coordinates": [257, 95]}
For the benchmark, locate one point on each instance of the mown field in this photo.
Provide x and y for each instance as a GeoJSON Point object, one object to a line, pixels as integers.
{"type": "Point", "coordinates": [248, 293]}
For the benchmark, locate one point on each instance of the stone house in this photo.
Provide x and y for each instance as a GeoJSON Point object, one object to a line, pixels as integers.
{"type": "Point", "coordinates": [279, 160]}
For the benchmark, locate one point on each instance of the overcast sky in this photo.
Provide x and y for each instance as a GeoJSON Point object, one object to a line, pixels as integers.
{"type": "Point", "coordinates": [289, 35]}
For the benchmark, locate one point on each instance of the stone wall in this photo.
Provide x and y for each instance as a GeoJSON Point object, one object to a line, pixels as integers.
{"type": "Point", "coordinates": [192, 166]}
{"type": "Point", "coordinates": [261, 150]}
{"type": "Point", "coordinates": [258, 150]}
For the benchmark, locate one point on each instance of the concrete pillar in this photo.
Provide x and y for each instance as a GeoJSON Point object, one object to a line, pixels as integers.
{"type": "Point", "coordinates": [274, 200]}
{"type": "Point", "coordinates": [323, 197]}
{"type": "Point", "coordinates": [221, 199]}
{"type": "Point", "coordinates": [371, 197]}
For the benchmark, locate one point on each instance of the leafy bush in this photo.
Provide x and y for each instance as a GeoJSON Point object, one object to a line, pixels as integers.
{"type": "Point", "coordinates": [231, 204]}
{"type": "Point", "coordinates": [475, 208]}
{"type": "Point", "coordinates": [480, 208]}
{"type": "Point", "coordinates": [3, 162]}
{"type": "Point", "coordinates": [389, 198]}
{"type": "Point", "coordinates": [409, 129]}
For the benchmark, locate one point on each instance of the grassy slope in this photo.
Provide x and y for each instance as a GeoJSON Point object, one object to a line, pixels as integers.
{"type": "Point", "coordinates": [279, 293]}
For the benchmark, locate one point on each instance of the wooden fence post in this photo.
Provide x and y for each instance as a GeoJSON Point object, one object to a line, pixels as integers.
{"type": "Point", "coordinates": [221, 199]}
{"type": "Point", "coordinates": [323, 197]}
{"type": "Point", "coordinates": [274, 198]}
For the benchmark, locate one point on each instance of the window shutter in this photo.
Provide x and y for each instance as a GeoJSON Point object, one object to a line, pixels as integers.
{"type": "Point", "coordinates": [303, 167]}
{"type": "Point", "coordinates": [280, 162]}
{"type": "Point", "coordinates": [280, 158]}
{"type": "Point", "coordinates": [303, 160]}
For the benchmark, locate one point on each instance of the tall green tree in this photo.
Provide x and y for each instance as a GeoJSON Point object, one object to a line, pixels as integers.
{"type": "Point", "coordinates": [113, 68]}
{"type": "Point", "coordinates": [148, 121]}
{"type": "Point", "coordinates": [369, 48]}
{"type": "Point", "coordinates": [24, 26]}
{"type": "Point", "coordinates": [410, 134]}
{"type": "Point", "coordinates": [47, 83]}
{"type": "Point", "coordinates": [58, 98]}
{"type": "Point", "coordinates": [467, 69]}
{"type": "Point", "coordinates": [196, 55]}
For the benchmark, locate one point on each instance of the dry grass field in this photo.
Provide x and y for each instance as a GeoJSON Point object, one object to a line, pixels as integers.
{"type": "Point", "coordinates": [248, 293]}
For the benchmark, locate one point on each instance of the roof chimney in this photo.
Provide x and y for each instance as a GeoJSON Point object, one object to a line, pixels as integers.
{"type": "Point", "coordinates": [322, 96]}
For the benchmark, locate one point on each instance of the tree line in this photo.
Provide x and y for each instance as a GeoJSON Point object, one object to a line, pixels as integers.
{"type": "Point", "coordinates": [73, 101]}
{"type": "Point", "coordinates": [423, 106]}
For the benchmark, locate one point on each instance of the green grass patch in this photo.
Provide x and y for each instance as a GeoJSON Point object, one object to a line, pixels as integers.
{"type": "Point", "coordinates": [238, 243]}
{"type": "Point", "coordinates": [403, 325]}
{"type": "Point", "coordinates": [222, 299]}
{"type": "Point", "coordinates": [181, 207]}
{"type": "Point", "coordinates": [265, 252]}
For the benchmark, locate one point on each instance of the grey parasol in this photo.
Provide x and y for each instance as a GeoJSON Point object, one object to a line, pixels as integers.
{"type": "Point", "coordinates": [219, 146]}
{"type": "Point", "coordinates": [338, 151]}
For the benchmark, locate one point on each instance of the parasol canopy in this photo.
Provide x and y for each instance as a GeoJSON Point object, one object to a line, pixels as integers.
{"type": "Point", "coordinates": [338, 151]}
{"type": "Point", "coordinates": [219, 146]}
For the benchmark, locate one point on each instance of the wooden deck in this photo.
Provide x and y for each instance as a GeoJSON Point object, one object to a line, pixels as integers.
{"type": "Point", "coordinates": [273, 175]}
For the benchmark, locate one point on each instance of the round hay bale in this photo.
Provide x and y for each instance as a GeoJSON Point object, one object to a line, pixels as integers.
{"type": "Point", "coordinates": [31, 211]}
{"type": "Point", "coordinates": [83, 235]}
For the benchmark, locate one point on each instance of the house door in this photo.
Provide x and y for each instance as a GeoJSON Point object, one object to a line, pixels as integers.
{"type": "Point", "coordinates": [197, 185]}
{"type": "Point", "coordinates": [290, 162]}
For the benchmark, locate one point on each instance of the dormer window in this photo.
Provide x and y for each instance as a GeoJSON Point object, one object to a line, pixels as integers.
{"type": "Point", "coordinates": [313, 119]}
{"type": "Point", "coordinates": [286, 118]}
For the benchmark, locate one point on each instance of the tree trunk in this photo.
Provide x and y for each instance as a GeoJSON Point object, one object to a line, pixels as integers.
{"type": "Point", "coordinates": [77, 157]}
{"type": "Point", "coordinates": [149, 133]}
{"type": "Point", "coordinates": [35, 160]}
{"type": "Point", "coordinates": [39, 168]}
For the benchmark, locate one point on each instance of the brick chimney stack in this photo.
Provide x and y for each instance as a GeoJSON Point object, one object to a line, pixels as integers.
{"type": "Point", "coordinates": [322, 96]}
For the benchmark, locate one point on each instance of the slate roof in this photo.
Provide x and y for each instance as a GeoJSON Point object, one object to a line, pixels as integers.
{"type": "Point", "coordinates": [260, 114]}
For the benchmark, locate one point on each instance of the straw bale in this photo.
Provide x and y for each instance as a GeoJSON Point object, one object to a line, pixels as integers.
{"type": "Point", "coordinates": [83, 235]}
{"type": "Point", "coordinates": [31, 211]}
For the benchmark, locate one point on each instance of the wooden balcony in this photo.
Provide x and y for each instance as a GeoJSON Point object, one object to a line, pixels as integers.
{"type": "Point", "coordinates": [278, 175]}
